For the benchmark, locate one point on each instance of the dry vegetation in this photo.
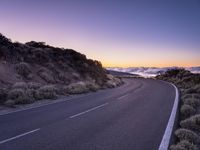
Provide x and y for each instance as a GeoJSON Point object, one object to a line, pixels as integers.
{"type": "Point", "coordinates": [35, 71]}
{"type": "Point", "coordinates": [188, 132]}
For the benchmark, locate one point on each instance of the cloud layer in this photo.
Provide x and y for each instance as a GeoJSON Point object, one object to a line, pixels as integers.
{"type": "Point", "coordinates": [150, 71]}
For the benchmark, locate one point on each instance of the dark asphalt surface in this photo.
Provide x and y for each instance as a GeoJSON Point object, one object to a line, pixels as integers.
{"type": "Point", "coordinates": [131, 117]}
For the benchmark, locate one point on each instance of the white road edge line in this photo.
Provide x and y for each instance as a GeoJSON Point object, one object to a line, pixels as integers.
{"type": "Point", "coordinates": [122, 97]}
{"type": "Point", "coordinates": [168, 131]}
{"type": "Point", "coordinates": [89, 110]}
{"type": "Point", "coordinates": [18, 136]}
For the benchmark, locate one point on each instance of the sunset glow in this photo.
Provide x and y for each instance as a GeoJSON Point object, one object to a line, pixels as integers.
{"type": "Point", "coordinates": [117, 33]}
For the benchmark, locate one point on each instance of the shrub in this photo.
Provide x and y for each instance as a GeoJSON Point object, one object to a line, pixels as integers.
{"type": "Point", "coordinates": [186, 96]}
{"type": "Point", "coordinates": [23, 69]}
{"type": "Point", "coordinates": [92, 86]}
{"type": "Point", "coordinates": [9, 103]}
{"type": "Point", "coordinates": [112, 81]}
{"type": "Point", "coordinates": [19, 85]}
{"type": "Point", "coordinates": [38, 95]}
{"type": "Point", "coordinates": [62, 78]}
{"type": "Point", "coordinates": [46, 75]}
{"type": "Point", "coordinates": [19, 96]}
{"type": "Point", "coordinates": [64, 90]}
{"type": "Point", "coordinates": [31, 93]}
{"type": "Point", "coordinates": [197, 88]}
{"type": "Point", "coordinates": [190, 91]}
{"type": "Point", "coordinates": [34, 85]}
{"type": "Point", "coordinates": [46, 92]}
{"type": "Point", "coordinates": [197, 96]}
{"type": "Point", "coordinates": [192, 102]}
{"type": "Point", "coordinates": [188, 135]}
{"type": "Point", "coordinates": [187, 111]}
{"type": "Point", "coordinates": [3, 95]}
{"type": "Point", "coordinates": [77, 88]}
{"type": "Point", "coordinates": [184, 145]}
{"type": "Point", "coordinates": [192, 123]}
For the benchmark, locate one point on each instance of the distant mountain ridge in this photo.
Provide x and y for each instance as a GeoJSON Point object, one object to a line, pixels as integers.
{"type": "Point", "coordinates": [151, 71]}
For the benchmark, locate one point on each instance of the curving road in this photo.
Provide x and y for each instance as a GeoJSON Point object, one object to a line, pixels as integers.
{"type": "Point", "coordinates": [131, 117]}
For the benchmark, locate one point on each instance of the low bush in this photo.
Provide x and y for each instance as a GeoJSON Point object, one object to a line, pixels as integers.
{"type": "Point", "coordinates": [186, 96]}
{"type": "Point", "coordinates": [9, 103]}
{"type": "Point", "coordinates": [190, 91]}
{"type": "Point", "coordinates": [110, 84]}
{"type": "Point", "coordinates": [19, 96]}
{"type": "Point", "coordinates": [31, 94]}
{"type": "Point", "coordinates": [187, 111]}
{"type": "Point", "coordinates": [3, 95]}
{"type": "Point", "coordinates": [184, 145]}
{"type": "Point", "coordinates": [188, 135]}
{"type": "Point", "coordinates": [33, 85]}
{"type": "Point", "coordinates": [23, 69]}
{"type": "Point", "coordinates": [197, 96]}
{"type": "Point", "coordinates": [46, 92]}
{"type": "Point", "coordinates": [20, 85]}
{"type": "Point", "coordinates": [62, 78]}
{"type": "Point", "coordinates": [197, 88]}
{"type": "Point", "coordinates": [192, 102]}
{"type": "Point", "coordinates": [46, 75]}
{"type": "Point", "coordinates": [92, 86]}
{"type": "Point", "coordinates": [77, 88]}
{"type": "Point", "coordinates": [192, 123]}
{"type": "Point", "coordinates": [113, 81]}
{"type": "Point", "coordinates": [64, 90]}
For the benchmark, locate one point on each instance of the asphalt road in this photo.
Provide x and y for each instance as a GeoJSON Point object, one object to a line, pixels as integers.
{"type": "Point", "coordinates": [131, 117]}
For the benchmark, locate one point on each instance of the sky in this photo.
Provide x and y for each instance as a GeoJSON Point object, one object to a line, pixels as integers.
{"type": "Point", "coordinates": [119, 33]}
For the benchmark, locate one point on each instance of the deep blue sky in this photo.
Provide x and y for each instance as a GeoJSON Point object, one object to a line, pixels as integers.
{"type": "Point", "coordinates": [118, 33]}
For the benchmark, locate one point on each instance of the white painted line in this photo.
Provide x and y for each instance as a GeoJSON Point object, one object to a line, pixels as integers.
{"type": "Point", "coordinates": [122, 97]}
{"type": "Point", "coordinates": [168, 131]}
{"type": "Point", "coordinates": [18, 136]}
{"type": "Point", "coordinates": [89, 110]}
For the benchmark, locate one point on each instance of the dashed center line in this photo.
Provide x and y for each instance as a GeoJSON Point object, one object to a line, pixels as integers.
{"type": "Point", "coordinates": [18, 136]}
{"type": "Point", "coordinates": [122, 97]}
{"type": "Point", "coordinates": [89, 110]}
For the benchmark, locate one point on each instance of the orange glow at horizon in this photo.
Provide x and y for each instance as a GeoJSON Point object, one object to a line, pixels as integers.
{"type": "Point", "coordinates": [116, 54]}
{"type": "Point", "coordinates": [135, 34]}
{"type": "Point", "coordinates": [144, 65]}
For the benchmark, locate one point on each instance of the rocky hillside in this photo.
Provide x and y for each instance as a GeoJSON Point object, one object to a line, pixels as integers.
{"type": "Point", "coordinates": [28, 71]}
